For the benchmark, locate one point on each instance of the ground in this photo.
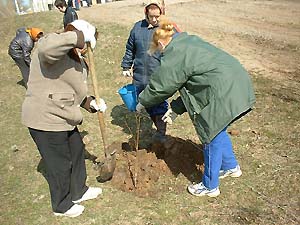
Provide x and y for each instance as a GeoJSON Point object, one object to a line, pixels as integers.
{"type": "Point", "coordinates": [149, 184]}
{"type": "Point", "coordinates": [263, 35]}
{"type": "Point", "coordinates": [137, 171]}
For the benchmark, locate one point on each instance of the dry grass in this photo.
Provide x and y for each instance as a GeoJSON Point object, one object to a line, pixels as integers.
{"type": "Point", "coordinates": [267, 148]}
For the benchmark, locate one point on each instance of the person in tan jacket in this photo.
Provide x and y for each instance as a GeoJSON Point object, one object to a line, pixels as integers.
{"type": "Point", "coordinates": [57, 88]}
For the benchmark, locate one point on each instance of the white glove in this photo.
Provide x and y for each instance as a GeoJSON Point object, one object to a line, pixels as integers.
{"type": "Point", "coordinates": [169, 116]}
{"type": "Point", "coordinates": [87, 29]}
{"type": "Point", "coordinates": [127, 73]}
{"type": "Point", "coordinates": [139, 107]}
{"type": "Point", "coordinates": [101, 107]}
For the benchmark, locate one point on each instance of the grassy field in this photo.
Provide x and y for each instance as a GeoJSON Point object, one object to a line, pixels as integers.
{"type": "Point", "coordinates": [267, 148]}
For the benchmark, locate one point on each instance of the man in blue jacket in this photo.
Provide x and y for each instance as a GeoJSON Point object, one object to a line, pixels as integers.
{"type": "Point", "coordinates": [143, 64]}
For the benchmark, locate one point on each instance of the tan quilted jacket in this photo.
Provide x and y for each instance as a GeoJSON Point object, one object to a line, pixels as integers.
{"type": "Point", "coordinates": [57, 85]}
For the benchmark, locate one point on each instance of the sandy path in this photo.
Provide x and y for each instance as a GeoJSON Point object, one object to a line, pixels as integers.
{"type": "Point", "coordinates": [263, 35]}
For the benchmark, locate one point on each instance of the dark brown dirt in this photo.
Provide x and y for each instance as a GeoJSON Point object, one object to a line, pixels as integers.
{"type": "Point", "coordinates": [138, 171]}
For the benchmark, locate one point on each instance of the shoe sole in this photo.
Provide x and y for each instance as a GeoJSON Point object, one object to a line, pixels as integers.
{"type": "Point", "coordinates": [235, 175]}
{"type": "Point", "coordinates": [215, 194]}
{"type": "Point", "coordinates": [86, 199]}
{"type": "Point", "coordinates": [62, 214]}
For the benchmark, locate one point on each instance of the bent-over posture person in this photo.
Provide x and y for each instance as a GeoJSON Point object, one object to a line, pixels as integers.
{"type": "Point", "coordinates": [20, 49]}
{"type": "Point", "coordinates": [214, 89]}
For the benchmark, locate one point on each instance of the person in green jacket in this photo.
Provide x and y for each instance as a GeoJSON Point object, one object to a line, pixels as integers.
{"type": "Point", "coordinates": [214, 89]}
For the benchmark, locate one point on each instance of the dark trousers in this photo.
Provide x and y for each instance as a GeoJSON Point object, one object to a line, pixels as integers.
{"type": "Point", "coordinates": [63, 155]}
{"type": "Point", "coordinates": [24, 68]}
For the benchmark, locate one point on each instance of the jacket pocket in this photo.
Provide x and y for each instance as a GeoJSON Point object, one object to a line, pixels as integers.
{"type": "Point", "coordinates": [61, 108]}
{"type": "Point", "coordinates": [193, 104]}
{"type": "Point", "coordinates": [62, 99]}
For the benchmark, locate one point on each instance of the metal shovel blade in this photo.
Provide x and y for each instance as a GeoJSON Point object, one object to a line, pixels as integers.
{"type": "Point", "coordinates": [106, 169]}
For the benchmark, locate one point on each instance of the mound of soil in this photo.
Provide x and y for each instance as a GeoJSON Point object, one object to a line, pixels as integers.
{"type": "Point", "coordinates": [139, 171]}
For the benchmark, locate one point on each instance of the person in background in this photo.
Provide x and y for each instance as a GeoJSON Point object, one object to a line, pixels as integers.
{"type": "Point", "coordinates": [69, 13]}
{"type": "Point", "coordinates": [89, 3]}
{"type": "Point", "coordinates": [137, 59]}
{"type": "Point", "coordinates": [214, 89]}
{"type": "Point", "coordinates": [20, 49]}
{"type": "Point", "coordinates": [57, 88]}
{"type": "Point", "coordinates": [77, 4]}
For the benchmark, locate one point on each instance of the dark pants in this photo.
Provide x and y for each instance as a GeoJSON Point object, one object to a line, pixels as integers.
{"type": "Point", "coordinates": [157, 110]}
{"type": "Point", "coordinates": [156, 113]}
{"type": "Point", "coordinates": [89, 3]}
{"type": "Point", "coordinates": [63, 155]}
{"type": "Point", "coordinates": [24, 68]}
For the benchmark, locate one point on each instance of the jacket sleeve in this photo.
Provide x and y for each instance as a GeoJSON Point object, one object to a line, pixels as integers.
{"type": "Point", "coordinates": [130, 51]}
{"type": "Point", "coordinates": [27, 47]}
{"type": "Point", "coordinates": [74, 16]}
{"type": "Point", "coordinates": [86, 104]}
{"type": "Point", "coordinates": [70, 16]}
{"type": "Point", "coordinates": [53, 47]}
{"type": "Point", "coordinates": [169, 78]}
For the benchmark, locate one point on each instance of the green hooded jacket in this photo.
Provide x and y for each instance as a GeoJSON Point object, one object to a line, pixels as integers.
{"type": "Point", "coordinates": [214, 87]}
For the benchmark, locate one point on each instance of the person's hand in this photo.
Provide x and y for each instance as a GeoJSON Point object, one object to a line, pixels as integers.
{"type": "Point", "coordinates": [87, 29]}
{"type": "Point", "coordinates": [139, 107]}
{"type": "Point", "coordinates": [169, 116]}
{"type": "Point", "coordinates": [127, 73]}
{"type": "Point", "coordinates": [98, 107]}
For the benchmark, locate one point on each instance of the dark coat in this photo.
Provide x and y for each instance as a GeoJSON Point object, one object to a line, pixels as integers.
{"type": "Point", "coordinates": [136, 54]}
{"type": "Point", "coordinates": [69, 16]}
{"type": "Point", "coordinates": [21, 46]}
{"type": "Point", "coordinates": [214, 87]}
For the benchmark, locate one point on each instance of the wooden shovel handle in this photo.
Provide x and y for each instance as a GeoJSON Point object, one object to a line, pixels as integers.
{"type": "Point", "coordinates": [96, 92]}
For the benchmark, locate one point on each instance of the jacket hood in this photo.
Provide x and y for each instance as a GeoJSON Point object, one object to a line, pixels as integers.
{"type": "Point", "coordinates": [34, 32]}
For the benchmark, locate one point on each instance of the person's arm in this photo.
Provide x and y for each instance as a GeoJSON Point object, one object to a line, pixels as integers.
{"type": "Point", "coordinates": [129, 52]}
{"type": "Point", "coordinates": [86, 104]}
{"type": "Point", "coordinates": [74, 16]}
{"type": "Point", "coordinates": [169, 78]}
{"type": "Point", "coordinates": [89, 103]}
{"type": "Point", "coordinates": [54, 47]}
{"type": "Point", "coordinates": [70, 16]}
{"type": "Point", "coordinates": [27, 46]}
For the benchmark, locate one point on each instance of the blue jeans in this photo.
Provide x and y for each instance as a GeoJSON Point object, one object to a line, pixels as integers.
{"type": "Point", "coordinates": [218, 155]}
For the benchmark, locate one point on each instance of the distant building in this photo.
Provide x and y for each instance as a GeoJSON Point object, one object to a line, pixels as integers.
{"type": "Point", "coordinates": [12, 7]}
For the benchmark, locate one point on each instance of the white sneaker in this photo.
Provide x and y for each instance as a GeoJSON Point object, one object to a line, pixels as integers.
{"type": "Point", "coordinates": [74, 211]}
{"type": "Point", "coordinates": [91, 193]}
{"type": "Point", "coordinates": [201, 190]}
{"type": "Point", "coordinates": [235, 172]}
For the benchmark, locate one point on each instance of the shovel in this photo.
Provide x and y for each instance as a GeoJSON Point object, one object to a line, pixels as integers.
{"type": "Point", "coordinates": [107, 167]}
